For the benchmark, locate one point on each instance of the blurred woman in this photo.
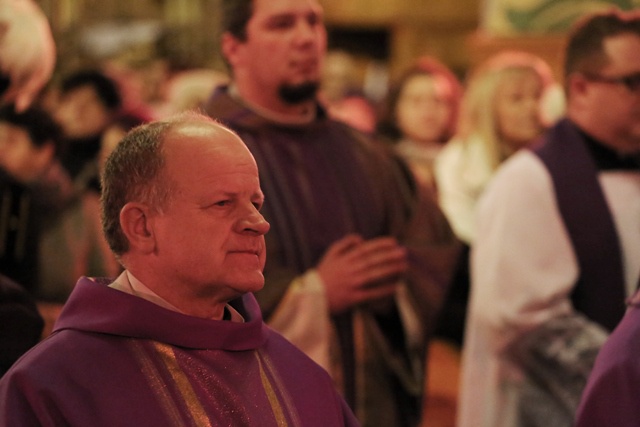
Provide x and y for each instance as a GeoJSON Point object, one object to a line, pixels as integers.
{"type": "Point", "coordinates": [421, 114]}
{"type": "Point", "coordinates": [501, 112]}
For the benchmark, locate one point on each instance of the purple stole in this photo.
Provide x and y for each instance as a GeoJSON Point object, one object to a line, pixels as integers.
{"type": "Point", "coordinates": [600, 290]}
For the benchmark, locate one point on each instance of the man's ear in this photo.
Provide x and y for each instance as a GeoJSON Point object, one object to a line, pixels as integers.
{"type": "Point", "coordinates": [231, 48]}
{"type": "Point", "coordinates": [578, 91]}
{"type": "Point", "coordinates": [137, 224]}
{"type": "Point", "coordinates": [576, 84]}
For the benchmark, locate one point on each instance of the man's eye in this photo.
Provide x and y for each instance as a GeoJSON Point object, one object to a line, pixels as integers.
{"type": "Point", "coordinates": [222, 203]}
{"type": "Point", "coordinates": [281, 23]}
{"type": "Point", "coordinates": [314, 20]}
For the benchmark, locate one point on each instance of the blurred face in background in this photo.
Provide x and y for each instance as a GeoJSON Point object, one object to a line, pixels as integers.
{"type": "Point", "coordinates": [424, 108]}
{"type": "Point", "coordinates": [81, 114]}
{"type": "Point", "coordinates": [19, 157]}
{"type": "Point", "coordinates": [517, 107]}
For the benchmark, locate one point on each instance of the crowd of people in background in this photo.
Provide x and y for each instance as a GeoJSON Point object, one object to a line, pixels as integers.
{"type": "Point", "coordinates": [452, 209]}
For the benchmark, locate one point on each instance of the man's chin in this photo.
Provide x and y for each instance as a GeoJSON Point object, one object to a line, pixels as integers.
{"type": "Point", "coordinates": [298, 93]}
{"type": "Point", "coordinates": [253, 285]}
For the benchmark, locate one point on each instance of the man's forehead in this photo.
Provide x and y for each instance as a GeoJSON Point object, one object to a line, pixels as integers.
{"type": "Point", "coordinates": [205, 139]}
{"type": "Point", "coordinates": [621, 52]}
{"type": "Point", "coordinates": [215, 133]}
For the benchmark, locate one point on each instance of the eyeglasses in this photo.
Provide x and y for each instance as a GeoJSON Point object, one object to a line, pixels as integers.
{"type": "Point", "coordinates": [631, 81]}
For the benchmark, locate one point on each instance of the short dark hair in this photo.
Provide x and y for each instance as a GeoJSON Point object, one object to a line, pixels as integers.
{"type": "Point", "coordinates": [107, 90]}
{"type": "Point", "coordinates": [38, 124]}
{"type": "Point", "coordinates": [235, 16]}
{"type": "Point", "coordinates": [134, 171]}
{"type": "Point", "coordinates": [585, 51]}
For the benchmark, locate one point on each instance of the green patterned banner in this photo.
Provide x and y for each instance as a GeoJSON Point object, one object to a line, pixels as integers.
{"type": "Point", "coordinates": [518, 17]}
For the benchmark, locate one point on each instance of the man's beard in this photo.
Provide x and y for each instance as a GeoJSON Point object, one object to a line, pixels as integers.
{"type": "Point", "coordinates": [296, 94]}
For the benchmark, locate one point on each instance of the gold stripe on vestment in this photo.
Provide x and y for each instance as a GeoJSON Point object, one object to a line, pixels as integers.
{"type": "Point", "coordinates": [288, 401]}
{"type": "Point", "coordinates": [271, 394]}
{"type": "Point", "coordinates": [157, 384]}
{"type": "Point", "coordinates": [183, 385]}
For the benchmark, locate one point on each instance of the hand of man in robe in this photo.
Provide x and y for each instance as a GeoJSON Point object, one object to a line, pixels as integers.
{"type": "Point", "coordinates": [356, 271]}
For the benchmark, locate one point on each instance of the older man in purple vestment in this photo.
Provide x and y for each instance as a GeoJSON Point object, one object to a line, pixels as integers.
{"type": "Point", "coordinates": [177, 339]}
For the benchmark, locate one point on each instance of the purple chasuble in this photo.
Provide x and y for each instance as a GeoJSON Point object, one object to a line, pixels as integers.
{"type": "Point", "coordinates": [116, 359]}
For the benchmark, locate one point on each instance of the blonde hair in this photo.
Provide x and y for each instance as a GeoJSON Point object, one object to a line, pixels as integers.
{"type": "Point", "coordinates": [477, 114]}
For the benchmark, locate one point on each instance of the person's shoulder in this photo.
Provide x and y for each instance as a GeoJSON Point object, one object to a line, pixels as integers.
{"type": "Point", "coordinates": [296, 371]}
{"type": "Point", "coordinates": [524, 166]}
{"type": "Point", "coordinates": [46, 359]}
{"type": "Point", "coordinates": [221, 106]}
{"type": "Point", "coordinates": [450, 150]}
{"type": "Point", "coordinates": [20, 322]}
{"type": "Point", "coordinates": [12, 292]}
{"type": "Point", "coordinates": [521, 178]}
{"type": "Point", "coordinates": [369, 142]}
{"type": "Point", "coordinates": [284, 353]}
{"type": "Point", "coordinates": [324, 121]}
{"type": "Point", "coordinates": [464, 156]}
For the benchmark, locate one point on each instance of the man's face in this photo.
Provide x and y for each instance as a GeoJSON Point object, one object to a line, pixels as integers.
{"type": "Point", "coordinates": [210, 236]}
{"type": "Point", "coordinates": [614, 109]}
{"type": "Point", "coordinates": [285, 45]}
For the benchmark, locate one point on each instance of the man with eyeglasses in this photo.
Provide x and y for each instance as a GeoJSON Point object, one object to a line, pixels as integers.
{"type": "Point", "coordinates": [558, 244]}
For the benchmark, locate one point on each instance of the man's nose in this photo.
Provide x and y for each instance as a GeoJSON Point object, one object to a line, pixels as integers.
{"type": "Point", "coordinates": [255, 223]}
{"type": "Point", "coordinates": [305, 31]}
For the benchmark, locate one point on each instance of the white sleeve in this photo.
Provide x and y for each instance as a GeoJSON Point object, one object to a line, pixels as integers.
{"type": "Point", "coordinates": [462, 171]}
{"type": "Point", "coordinates": [454, 196]}
{"type": "Point", "coordinates": [302, 317]}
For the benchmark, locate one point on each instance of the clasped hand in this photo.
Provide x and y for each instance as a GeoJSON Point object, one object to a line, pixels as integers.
{"type": "Point", "coordinates": [356, 271]}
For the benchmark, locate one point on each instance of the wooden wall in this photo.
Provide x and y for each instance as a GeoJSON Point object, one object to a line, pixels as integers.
{"type": "Point", "coordinates": [415, 27]}
{"type": "Point", "coordinates": [446, 29]}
